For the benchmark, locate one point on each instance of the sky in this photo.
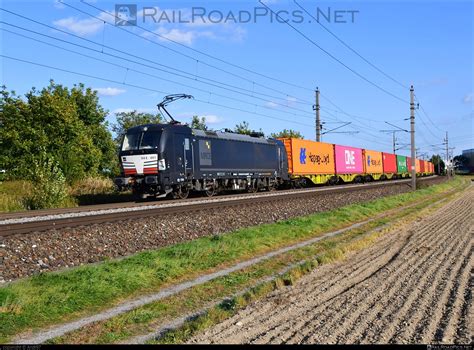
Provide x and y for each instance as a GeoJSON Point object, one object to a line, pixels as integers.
{"type": "Point", "coordinates": [362, 55]}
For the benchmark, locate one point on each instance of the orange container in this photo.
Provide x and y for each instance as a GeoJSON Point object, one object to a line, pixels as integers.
{"type": "Point", "coordinates": [373, 162]}
{"type": "Point", "coordinates": [309, 157]}
{"type": "Point", "coordinates": [418, 166]}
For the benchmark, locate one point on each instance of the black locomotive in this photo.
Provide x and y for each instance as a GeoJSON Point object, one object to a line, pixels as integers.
{"type": "Point", "coordinates": [160, 159]}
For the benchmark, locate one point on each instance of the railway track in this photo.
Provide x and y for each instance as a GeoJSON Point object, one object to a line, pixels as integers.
{"type": "Point", "coordinates": [24, 223]}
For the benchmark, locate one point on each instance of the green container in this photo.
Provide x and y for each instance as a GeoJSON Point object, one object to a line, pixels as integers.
{"type": "Point", "coordinates": [402, 164]}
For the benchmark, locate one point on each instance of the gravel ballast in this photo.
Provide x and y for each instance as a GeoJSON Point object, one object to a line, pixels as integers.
{"type": "Point", "coordinates": [25, 255]}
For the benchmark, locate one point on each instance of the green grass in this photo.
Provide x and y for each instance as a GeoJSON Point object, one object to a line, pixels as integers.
{"type": "Point", "coordinates": [13, 194]}
{"type": "Point", "coordinates": [50, 298]}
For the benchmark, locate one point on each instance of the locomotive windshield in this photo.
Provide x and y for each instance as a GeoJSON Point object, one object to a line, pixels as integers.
{"type": "Point", "coordinates": [141, 140]}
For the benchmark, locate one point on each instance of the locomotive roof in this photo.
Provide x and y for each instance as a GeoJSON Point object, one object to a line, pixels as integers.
{"type": "Point", "coordinates": [202, 133]}
{"type": "Point", "coordinates": [232, 136]}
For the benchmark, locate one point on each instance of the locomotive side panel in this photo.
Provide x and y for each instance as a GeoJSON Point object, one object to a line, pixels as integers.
{"type": "Point", "coordinates": [219, 156]}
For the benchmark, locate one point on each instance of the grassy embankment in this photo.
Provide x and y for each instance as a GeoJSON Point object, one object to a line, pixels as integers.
{"type": "Point", "coordinates": [52, 298]}
{"type": "Point", "coordinates": [14, 194]}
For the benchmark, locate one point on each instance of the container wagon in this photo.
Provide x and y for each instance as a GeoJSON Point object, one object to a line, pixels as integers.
{"type": "Point", "coordinates": [389, 166]}
{"type": "Point", "coordinates": [310, 162]}
{"type": "Point", "coordinates": [373, 165]}
{"type": "Point", "coordinates": [402, 167]}
{"type": "Point", "coordinates": [349, 163]}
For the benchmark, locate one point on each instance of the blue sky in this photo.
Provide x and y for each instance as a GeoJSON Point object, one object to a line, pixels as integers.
{"type": "Point", "coordinates": [425, 43]}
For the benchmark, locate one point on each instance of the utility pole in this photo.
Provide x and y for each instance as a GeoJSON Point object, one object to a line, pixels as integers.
{"type": "Point", "coordinates": [447, 154]}
{"type": "Point", "coordinates": [318, 117]}
{"type": "Point", "coordinates": [412, 132]}
{"type": "Point", "coordinates": [394, 142]}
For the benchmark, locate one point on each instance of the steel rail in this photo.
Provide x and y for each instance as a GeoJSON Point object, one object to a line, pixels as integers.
{"type": "Point", "coordinates": [187, 207]}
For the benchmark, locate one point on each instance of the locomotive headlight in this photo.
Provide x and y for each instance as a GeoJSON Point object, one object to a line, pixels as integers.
{"type": "Point", "coordinates": [161, 164]}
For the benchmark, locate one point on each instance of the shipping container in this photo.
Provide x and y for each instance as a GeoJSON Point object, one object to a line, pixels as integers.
{"type": "Point", "coordinates": [418, 167]}
{"type": "Point", "coordinates": [309, 157]}
{"type": "Point", "coordinates": [422, 166]}
{"type": "Point", "coordinates": [349, 160]}
{"type": "Point", "coordinates": [373, 162]}
{"type": "Point", "coordinates": [409, 164]}
{"type": "Point", "coordinates": [402, 164]}
{"type": "Point", "coordinates": [389, 163]}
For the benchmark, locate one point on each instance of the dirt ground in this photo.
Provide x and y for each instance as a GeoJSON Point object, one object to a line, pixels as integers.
{"type": "Point", "coordinates": [413, 286]}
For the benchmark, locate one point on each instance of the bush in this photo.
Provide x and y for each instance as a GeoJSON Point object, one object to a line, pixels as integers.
{"type": "Point", "coordinates": [49, 185]}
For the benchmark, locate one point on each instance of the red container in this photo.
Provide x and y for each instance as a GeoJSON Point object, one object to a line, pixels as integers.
{"type": "Point", "coordinates": [409, 165]}
{"type": "Point", "coordinates": [389, 163]}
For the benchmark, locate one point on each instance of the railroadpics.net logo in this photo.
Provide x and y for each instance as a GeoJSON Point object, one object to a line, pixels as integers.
{"type": "Point", "coordinates": [129, 15]}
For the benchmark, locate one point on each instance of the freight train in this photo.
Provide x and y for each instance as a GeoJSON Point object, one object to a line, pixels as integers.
{"type": "Point", "coordinates": [173, 159]}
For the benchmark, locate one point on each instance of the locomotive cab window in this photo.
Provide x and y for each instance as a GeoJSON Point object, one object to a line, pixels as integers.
{"type": "Point", "coordinates": [141, 140]}
{"type": "Point", "coordinates": [150, 139]}
{"type": "Point", "coordinates": [130, 141]}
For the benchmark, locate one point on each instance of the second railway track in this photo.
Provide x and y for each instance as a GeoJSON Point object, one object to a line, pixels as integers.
{"type": "Point", "coordinates": [57, 219]}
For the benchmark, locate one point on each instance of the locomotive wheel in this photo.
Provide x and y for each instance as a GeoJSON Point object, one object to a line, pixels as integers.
{"type": "Point", "coordinates": [181, 192]}
{"type": "Point", "coordinates": [252, 189]}
{"type": "Point", "coordinates": [210, 192]}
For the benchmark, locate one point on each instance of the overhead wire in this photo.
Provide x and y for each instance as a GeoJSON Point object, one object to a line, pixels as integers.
{"type": "Point", "coordinates": [143, 88]}
{"type": "Point", "coordinates": [154, 76]}
{"type": "Point", "coordinates": [334, 57]}
{"type": "Point", "coordinates": [351, 48]}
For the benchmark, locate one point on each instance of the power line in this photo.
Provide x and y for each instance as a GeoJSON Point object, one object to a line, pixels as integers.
{"type": "Point", "coordinates": [352, 49]}
{"type": "Point", "coordinates": [191, 75]}
{"type": "Point", "coordinates": [335, 58]}
{"type": "Point", "coordinates": [143, 88]}
{"type": "Point", "coordinates": [208, 55]}
{"type": "Point", "coordinates": [426, 114]}
{"type": "Point", "coordinates": [147, 74]}
{"type": "Point", "coordinates": [188, 47]}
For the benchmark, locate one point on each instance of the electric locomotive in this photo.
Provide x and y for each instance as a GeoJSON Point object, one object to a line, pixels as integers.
{"type": "Point", "coordinates": [162, 159]}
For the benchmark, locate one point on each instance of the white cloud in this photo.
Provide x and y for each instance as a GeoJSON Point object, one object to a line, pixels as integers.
{"type": "Point", "coordinates": [109, 91]}
{"type": "Point", "coordinates": [182, 36]}
{"type": "Point", "coordinates": [58, 4]}
{"type": "Point", "coordinates": [469, 98]}
{"type": "Point", "coordinates": [271, 104]}
{"type": "Point", "coordinates": [287, 102]}
{"type": "Point", "coordinates": [178, 25]}
{"type": "Point", "coordinates": [212, 119]}
{"type": "Point", "coordinates": [84, 27]}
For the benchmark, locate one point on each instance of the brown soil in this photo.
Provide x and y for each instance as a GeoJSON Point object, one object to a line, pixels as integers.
{"type": "Point", "coordinates": [413, 286]}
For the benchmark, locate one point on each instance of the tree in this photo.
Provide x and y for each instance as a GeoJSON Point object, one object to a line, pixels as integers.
{"type": "Point", "coordinates": [243, 128]}
{"type": "Point", "coordinates": [126, 120]}
{"type": "Point", "coordinates": [461, 162]}
{"type": "Point", "coordinates": [67, 125]}
{"type": "Point", "coordinates": [287, 134]}
{"type": "Point", "coordinates": [435, 159]}
{"type": "Point", "coordinates": [199, 124]}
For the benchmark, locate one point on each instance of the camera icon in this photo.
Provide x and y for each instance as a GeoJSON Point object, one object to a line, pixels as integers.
{"type": "Point", "coordinates": [125, 14]}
